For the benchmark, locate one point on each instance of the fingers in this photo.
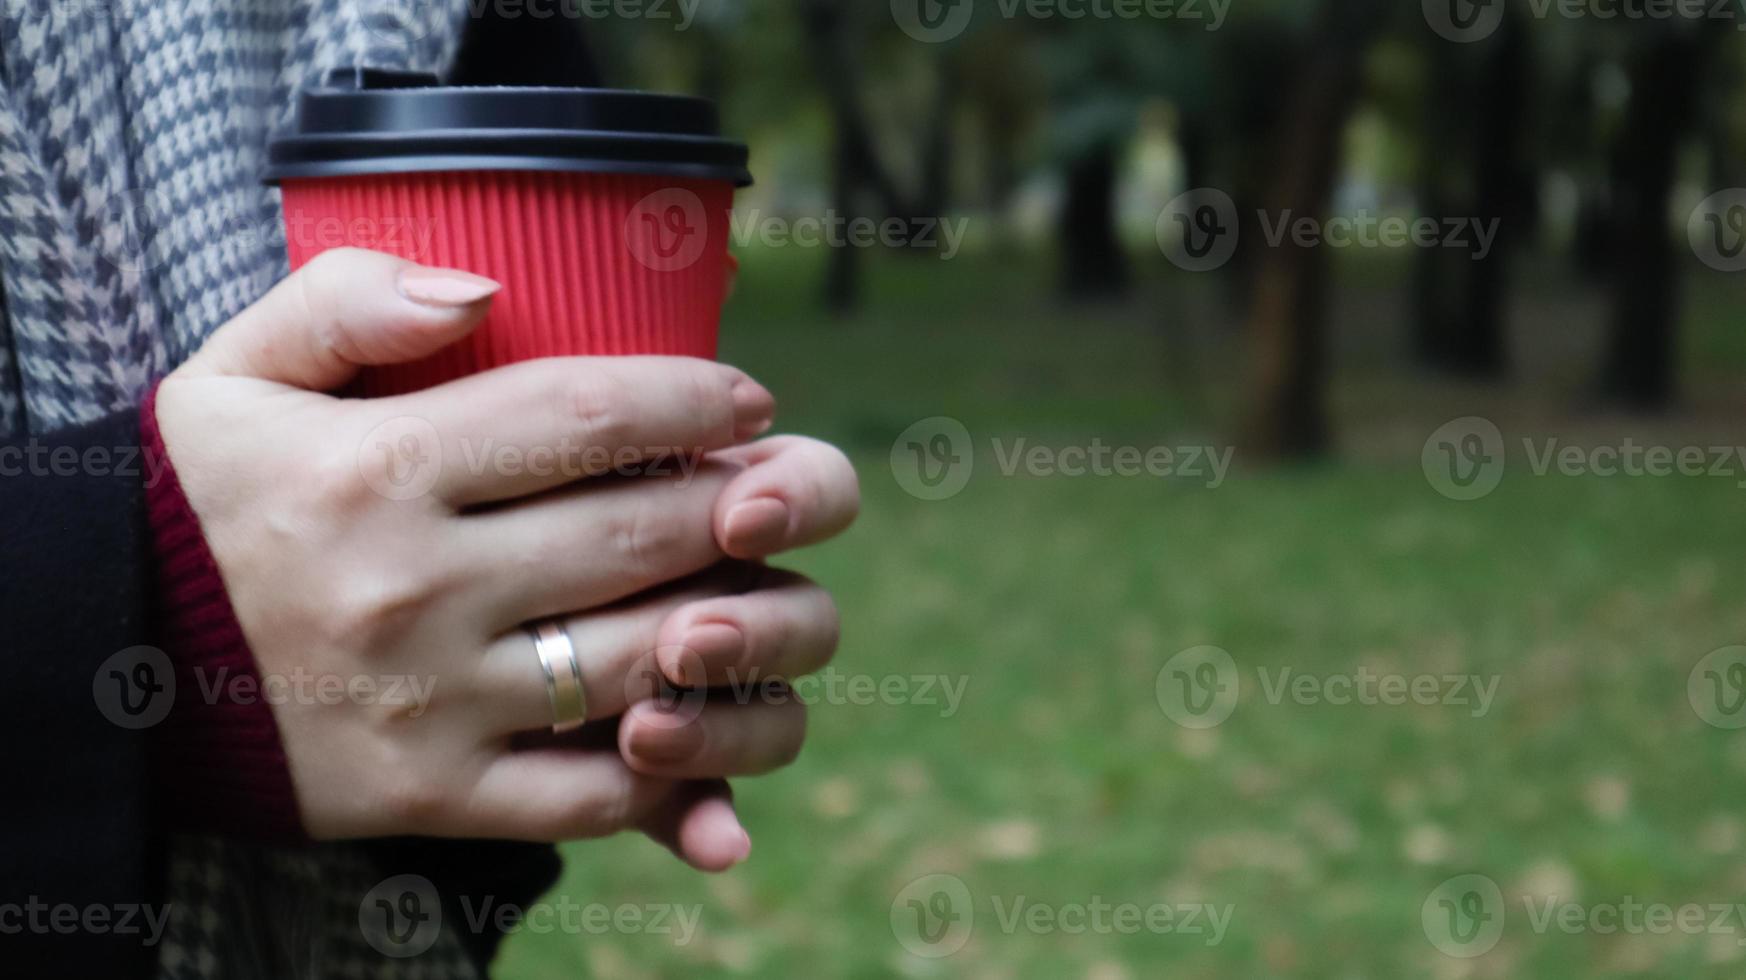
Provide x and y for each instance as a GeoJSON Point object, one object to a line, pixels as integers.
{"type": "Point", "coordinates": [784, 630]}
{"type": "Point", "coordinates": [695, 739]}
{"type": "Point", "coordinates": [558, 794]}
{"type": "Point", "coordinates": [555, 794]}
{"type": "Point", "coordinates": [699, 825]}
{"type": "Point", "coordinates": [526, 428]}
{"type": "Point", "coordinates": [615, 649]}
{"type": "Point", "coordinates": [562, 793]}
{"type": "Point", "coordinates": [601, 541]}
{"type": "Point", "coordinates": [590, 545]}
{"type": "Point", "coordinates": [786, 626]}
{"type": "Point", "coordinates": [346, 308]}
{"type": "Point", "coordinates": [793, 492]}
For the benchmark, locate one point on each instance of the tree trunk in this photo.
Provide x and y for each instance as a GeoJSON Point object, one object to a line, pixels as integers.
{"type": "Point", "coordinates": [1092, 263]}
{"type": "Point", "coordinates": [1446, 129]}
{"type": "Point", "coordinates": [935, 192]}
{"type": "Point", "coordinates": [1640, 358]}
{"type": "Point", "coordinates": [1473, 168]}
{"type": "Point", "coordinates": [1287, 412]}
{"type": "Point", "coordinates": [1260, 65]}
{"type": "Point", "coordinates": [827, 30]}
{"type": "Point", "coordinates": [857, 167]}
{"type": "Point", "coordinates": [1500, 178]}
{"type": "Point", "coordinates": [842, 283]}
{"type": "Point", "coordinates": [1724, 148]}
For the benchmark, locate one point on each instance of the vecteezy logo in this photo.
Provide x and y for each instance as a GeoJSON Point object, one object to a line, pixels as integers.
{"type": "Point", "coordinates": [1198, 230]}
{"type": "Point", "coordinates": [932, 21]}
{"type": "Point", "coordinates": [667, 230]}
{"type": "Point", "coordinates": [1717, 230]}
{"type": "Point", "coordinates": [933, 459]}
{"type": "Point", "coordinates": [933, 916]}
{"type": "Point", "coordinates": [1464, 916]}
{"type": "Point", "coordinates": [401, 458]}
{"type": "Point", "coordinates": [1464, 459]}
{"type": "Point", "coordinates": [1716, 688]}
{"type": "Point", "coordinates": [135, 688]}
{"type": "Point", "coordinates": [1198, 688]}
{"type": "Point", "coordinates": [401, 916]}
{"type": "Point", "coordinates": [1464, 21]}
{"type": "Point", "coordinates": [678, 706]}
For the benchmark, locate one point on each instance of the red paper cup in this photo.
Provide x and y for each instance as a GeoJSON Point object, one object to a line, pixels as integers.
{"type": "Point", "coordinates": [608, 240]}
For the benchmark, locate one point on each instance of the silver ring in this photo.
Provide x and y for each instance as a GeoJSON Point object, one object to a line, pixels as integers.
{"type": "Point", "coordinates": [563, 675]}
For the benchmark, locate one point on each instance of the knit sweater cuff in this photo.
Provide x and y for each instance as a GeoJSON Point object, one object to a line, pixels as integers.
{"type": "Point", "coordinates": [218, 763]}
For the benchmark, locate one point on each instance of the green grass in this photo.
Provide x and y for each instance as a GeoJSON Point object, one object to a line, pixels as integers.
{"type": "Point", "coordinates": [1058, 600]}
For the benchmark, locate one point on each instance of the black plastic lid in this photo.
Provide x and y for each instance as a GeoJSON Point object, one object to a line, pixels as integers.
{"type": "Point", "coordinates": [374, 121]}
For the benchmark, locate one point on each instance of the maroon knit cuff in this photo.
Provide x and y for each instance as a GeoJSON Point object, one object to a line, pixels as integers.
{"type": "Point", "coordinates": [218, 764]}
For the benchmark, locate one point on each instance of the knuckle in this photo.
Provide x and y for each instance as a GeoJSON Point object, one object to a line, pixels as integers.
{"type": "Point", "coordinates": [333, 260]}
{"type": "Point", "coordinates": [644, 540]}
{"type": "Point", "coordinates": [824, 458]}
{"type": "Point", "coordinates": [823, 480]}
{"type": "Point", "coordinates": [318, 294]}
{"type": "Point", "coordinates": [347, 479]}
{"type": "Point", "coordinates": [394, 716]}
{"type": "Point", "coordinates": [707, 394]}
{"type": "Point", "coordinates": [371, 611]}
{"type": "Point", "coordinates": [589, 815]}
{"type": "Point", "coordinates": [596, 410]}
{"type": "Point", "coordinates": [338, 477]}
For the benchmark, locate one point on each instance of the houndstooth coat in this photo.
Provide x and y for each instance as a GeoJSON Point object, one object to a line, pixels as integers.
{"type": "Point", "coordinates": [133, 223]}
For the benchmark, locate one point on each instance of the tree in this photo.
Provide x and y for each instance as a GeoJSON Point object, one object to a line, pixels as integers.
{"type": "Point", "coordinates": [1665, 67]}
{"type": "Point", "coordinates": [1287, 414]}
{"type": "Point", "coordinates": [836, 38]}
{"type": "Point", "coordinates": [1094, 94]}
{"type": "Point", "coordinates": [830, 32]}
{"type": "Point", "coordinates": [1471, 160]}
{"type": "Point", "coordinates": [1255, 62]}
{"type": "Point", "coordinates": [1092, 263]}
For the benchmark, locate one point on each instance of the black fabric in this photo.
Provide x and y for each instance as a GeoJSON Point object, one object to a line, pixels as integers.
{"type": "Point", "coordinates": [76, 810]}
{"type": "Point", "coordinates": [474, 874]}
{"type": "Point", "coordinates": [499, 48]}
{"type": "Point", "coordinates": [76, 815]}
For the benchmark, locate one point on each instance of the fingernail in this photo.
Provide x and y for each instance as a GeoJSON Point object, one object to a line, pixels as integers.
{"type": "Point", "coordinates": [704, 645]}
{"type": "Point", "coordinates": [754, 409]}
{"type": "Point", "coordinates": [663, 745]}
{"type": "Point", "coordinates": [757, 527]}
{"type": "Point", "coordinates": [445, 288]}
{"type": "Point", "coordinates": [744, 850]}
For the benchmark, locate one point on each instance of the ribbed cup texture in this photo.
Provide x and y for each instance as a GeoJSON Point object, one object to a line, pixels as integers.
{"type": "Point", "coordinates": [601, 264]}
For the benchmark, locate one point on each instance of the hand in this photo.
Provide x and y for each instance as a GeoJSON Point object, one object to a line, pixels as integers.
{"type": "Point", "coordinates": [338, 567]}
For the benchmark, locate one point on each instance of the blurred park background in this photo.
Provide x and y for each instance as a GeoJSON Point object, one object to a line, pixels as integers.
{"type": "Point", "coordinates": [1201, 228]}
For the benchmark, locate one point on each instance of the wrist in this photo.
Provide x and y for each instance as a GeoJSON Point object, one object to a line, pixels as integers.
{"type": "Point", "coordinates": [218, 761]}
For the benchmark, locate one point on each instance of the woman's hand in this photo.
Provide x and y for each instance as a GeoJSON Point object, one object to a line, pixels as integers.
{"type": "Point", "coordinates": [410, 538]}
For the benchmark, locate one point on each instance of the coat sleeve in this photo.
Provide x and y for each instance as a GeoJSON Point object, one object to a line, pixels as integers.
{"type": "Point", "coordinates": [76, 857]}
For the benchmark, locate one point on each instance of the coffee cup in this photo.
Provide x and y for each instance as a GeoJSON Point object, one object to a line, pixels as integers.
{"type": "Point", "coordinates": [604, 213]}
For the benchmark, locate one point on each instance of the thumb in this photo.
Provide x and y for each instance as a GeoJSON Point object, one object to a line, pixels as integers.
{"type": "Point", "coordinates": [346, 309]}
